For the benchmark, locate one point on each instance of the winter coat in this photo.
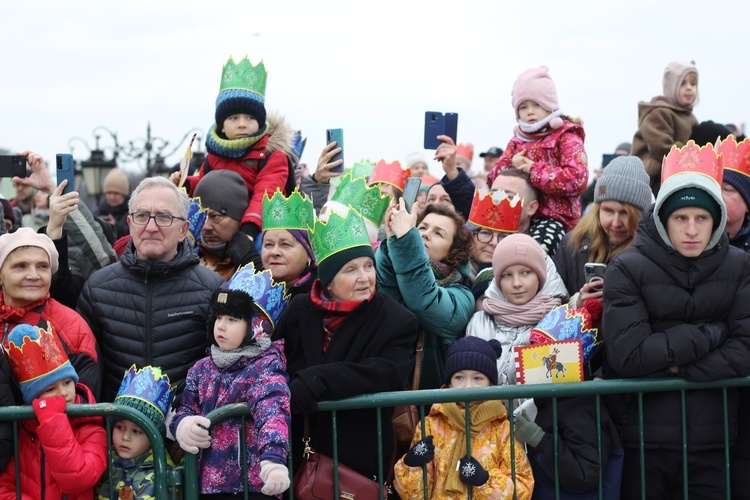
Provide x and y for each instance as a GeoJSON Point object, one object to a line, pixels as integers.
{"type": "Point", "coordinates": [74, 333]}
{"type": "Point", "coordinates": [560, 170]}
{"type": "Point", "coordinates": [368, 353]}
{"type": "Point", "coordinates": [138, 473]}
{"type": "Point", "coordinates": [149, 313]}
{"type": "Point", "coordinates": [661, 125]}
{"type": "Point", "coordinates": [262, 383]}
{"type": "Point", "coordinates": [461, 192]}
{"type": "Point", "coordinates": [578, 463]}
{"type": "Point", "coordinates": [88, 243]}
{"type": "Point", "coordinates": [404, 274]}
{"type": "Point", "coordinates": [491, 448]}
{"type": "Point", "coordinates": [570, 264]}
{"type": "Point", "coordinates": [63, 456]}
{"type": "Point", "coordinates": [656, 306]}
{"type": "Point", "coordinates": [6, 399]}
{"type": "Point", "coordinates": [238, 252]}
{"type": "Point", "coordinates": [548, 233]}
{"type": "Point", "coordinates": [119, 214]}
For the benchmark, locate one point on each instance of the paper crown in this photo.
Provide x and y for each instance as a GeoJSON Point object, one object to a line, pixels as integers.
{"type": "Point", "coordinates": [197, 218]}
{"type": "Point", "coordinates": [693, 159]}
{"type": "Point", "coordinates": [389, 173]}
{"type": "Point", "coordinates": [428, 180]}
{"type": "Point", "coordinates": [465, 151]}
{"type": "Point", "coordinates": [735, 156]}
{"type": "Point", "coordinates": [298, 144]}
{"type": "Point", "coordinates": [496, 211]}
{"type": "Point", "coordinates": [362, 168]}
{"type": "Point", "coordinates": [567, 323]}
{"type": "Point", "coordinates": [367, 200]}
{"type": "Point", "coordinates": [293, 212]}
{"type": "Point", "coordinates": [269, 295]}
{"type": "Point", "coordinates": [244, 76]}
{"type": "Point", "coordinates": [147, 390]}
{"type": "Point", "coordinates": [339, 233]}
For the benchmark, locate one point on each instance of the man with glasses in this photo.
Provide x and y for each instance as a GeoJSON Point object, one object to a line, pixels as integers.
{"type": "Point", "coordinates": [150, 307]}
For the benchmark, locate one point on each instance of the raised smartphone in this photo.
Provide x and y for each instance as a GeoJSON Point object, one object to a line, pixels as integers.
{"type": "Point", "coordinates": [336, 135]}
{"type": "Point", "coordinates": [65, 170]}
{"type": "Point", "coordinates": [411, 190]}
{"type": "Point", "coordinates": [437, 123]}
{"type": "Point", "coordinates": [594, 271]}
{"type": "Point", "coordinates": [12, 166]}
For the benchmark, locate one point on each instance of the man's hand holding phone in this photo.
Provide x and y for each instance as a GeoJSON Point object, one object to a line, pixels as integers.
{"type": "Point", "coordinates": [324, 173]}
{"type": "Point", "coordinates": [446, 154]}
{"type": "Point", "coordinates": [40, 177]}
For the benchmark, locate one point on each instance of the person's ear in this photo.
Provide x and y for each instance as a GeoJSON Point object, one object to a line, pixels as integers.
{"type": "Point", "coordinates": [533, 207]}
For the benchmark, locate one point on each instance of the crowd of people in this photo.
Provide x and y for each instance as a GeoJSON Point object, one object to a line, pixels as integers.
{"type": "Point", "coordinates": [254, 281]}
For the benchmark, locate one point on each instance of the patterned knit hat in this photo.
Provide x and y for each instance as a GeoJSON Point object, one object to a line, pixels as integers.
{"type": "Point", "coordinates": [535, 85]}
{"type": "Point", "coordinates": [624, 180]}
{"type": "Point", "coordinates": [473, 353]}
{"type": "Point", "coordinates": [223, 191]}
{"type": "Point", "coordinates": [38, 359]}
{"type": "Point", "coordinates": [242, 90]}
{"type": "Point", "coordinates": [147, 390]}
{"type": "Point", "coordinates": [520, 249]}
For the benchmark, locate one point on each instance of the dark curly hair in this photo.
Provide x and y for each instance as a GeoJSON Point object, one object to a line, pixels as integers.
{"type": "Point", "coordinates": [460, 249]}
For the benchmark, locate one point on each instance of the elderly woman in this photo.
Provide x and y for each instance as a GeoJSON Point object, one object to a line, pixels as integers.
{"type": "Point", "coordinates": [622, 192]}
{"type": "Point", "coordinates": [27, 262]}
{"type": "Point", "coordinates": [345, 339]}
{"type": "Point", "coordinates": [424, 266]}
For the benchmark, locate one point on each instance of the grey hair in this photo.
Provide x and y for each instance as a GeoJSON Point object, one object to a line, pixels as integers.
{"type": "Point", "coordinates": [157, 181]}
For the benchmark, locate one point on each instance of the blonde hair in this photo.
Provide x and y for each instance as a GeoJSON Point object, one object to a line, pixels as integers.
{"type": "Point", "coordinates": [600, 248]}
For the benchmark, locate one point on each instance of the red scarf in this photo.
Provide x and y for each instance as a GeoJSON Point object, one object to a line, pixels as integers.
{"type": "Point", "coordinates": [10, 314]}
{"type": "Point", "coordinates": [336, 311]}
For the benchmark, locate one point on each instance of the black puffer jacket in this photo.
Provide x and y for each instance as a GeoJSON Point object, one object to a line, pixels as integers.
{"type": "Point", "coordinates": [656, 307]}
{"type": "Point", "coordinates": [149, 313]}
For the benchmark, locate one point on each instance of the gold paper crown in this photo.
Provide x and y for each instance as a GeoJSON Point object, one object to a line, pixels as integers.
{"type": "Point", "coordinates": [693, 159]}
{"type": "Point", "coordinates": [339, 233]}
{"type": "Point", "coordinates": [496, 211]}
{"type": "Point", "coordinates": [244, 76]}
{"type": "Point", "coordinates": [367, 200]}
{"type": "Point", "coordinates": [293, 212]}
{"type": "Point", "coordinates": [736, 156]}
{"type": "Point", "coordinates": [389, 173]}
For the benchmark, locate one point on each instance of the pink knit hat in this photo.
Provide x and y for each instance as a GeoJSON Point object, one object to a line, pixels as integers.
{"type": "Point", "coordinates": [27, 237]}
{"type": "Point", "coordinates": [535, 85]}
{"type": "Point", "coordinates": [519, 249]}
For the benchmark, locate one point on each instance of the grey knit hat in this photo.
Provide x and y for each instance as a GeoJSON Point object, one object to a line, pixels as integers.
{"type": "Point", "coordinates": [624, 180]}
{"type": "Point", "coordinates": [224, 191]}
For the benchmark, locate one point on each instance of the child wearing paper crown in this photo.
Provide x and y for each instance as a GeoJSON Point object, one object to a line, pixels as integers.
{"type": "Point", "coordinates": [470, 363]}
{"type": "Point", "coordinates": [58, 455]}
{"type": "Point", "coordinates": [243, 366]}
{"type": "Point", "coordinates": [146, 390]}
{"type": "Point", "coordinates": [243, 140]}
{"type": "Point", "coordinates": [548, 145]}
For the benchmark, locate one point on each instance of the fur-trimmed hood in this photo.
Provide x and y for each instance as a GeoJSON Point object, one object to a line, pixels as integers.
{"type": "Point", "coordinates": [280, 134]}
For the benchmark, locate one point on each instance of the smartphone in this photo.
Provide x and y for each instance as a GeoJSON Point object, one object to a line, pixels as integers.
{"type": "Point", "coordinates": [411, 190]}
{"type": "Point", "coordinates": [65, 170]}
{"type": "Point", "coordinates": [437, 123]}
{"type": "Point", "coordinates": [594, 271]}
{"type": "Point", "coordinates": [607, 158]}
{"type": "Point", "coordinates": [12, 166]}
{"type": "Point", "coordinates": [336, 135]}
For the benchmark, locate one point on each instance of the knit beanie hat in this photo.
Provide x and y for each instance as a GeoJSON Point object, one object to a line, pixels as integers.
{"type": "Point", "coordinates": [674, 74]}
{"type": "Point", "coordinates": [473, 353]}
{"type": "Point", "coordinates": [116, 182]}
{"type": "Point", "coordinates": [37, 359]}
{"type": "Point", "coordinates": [224, 191]}
{"type": "Point", "coordinates": [708, 132]}
{"type": "Point", "coordinates": [333, 263]}
{"type": "Point", "coordinates": [535, 85]}
{"type": "Point", "coordinates": [740, 182]}
{"type": "Point", "coordinates": [624, 180]}
{"type": "Point", "coordinates": [519, 249]}
{"type": "Point", "coordinates": [242, 91]}
{"type": "Point", "coordinates": [27, 237]}
{"type": "Point", "coordinates": [147, 390]}
{"type": "Point", "coordinates": [690, 197]}
{"type": "Point", "coordinates": [624, 146]}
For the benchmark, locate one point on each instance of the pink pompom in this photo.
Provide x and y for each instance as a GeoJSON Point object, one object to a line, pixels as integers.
{"type": "Point", "coordinates": [556, 122]}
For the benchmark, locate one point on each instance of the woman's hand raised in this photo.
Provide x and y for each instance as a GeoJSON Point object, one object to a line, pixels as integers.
{"type": "Point", "coordinates": [399, 219]}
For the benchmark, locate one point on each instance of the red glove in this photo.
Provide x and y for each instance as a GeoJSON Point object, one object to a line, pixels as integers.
{"type": "Point", "coordinates": [47, 408]}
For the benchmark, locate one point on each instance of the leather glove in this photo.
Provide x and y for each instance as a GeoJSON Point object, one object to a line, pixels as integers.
{"type": "Point", "coordinates": [716, 332]}
{"type": "Point", "coordinates": [421, 453]}
{"type": "Point", "coordinates": [302, 400]}
{"type": "Point", "coordinates": [275, 478]}
{"type": "Point", "coordinates": [526, 430]}
{"type": "Point", "coordinates": [471, 472]}
{"type": "Point", "coordinates": [192, 433]}
{"type": "Point", "coordinates": [46, 408]}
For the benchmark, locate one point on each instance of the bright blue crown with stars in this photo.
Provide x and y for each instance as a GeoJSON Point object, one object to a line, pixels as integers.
{"type": "Point", "coordinates": [197, 218]}
{"type": "Point", "coordinates": [147, 389]}
{"type": "Point", "coordinates": [298, 144]}
{"type": "Point", "coordinates": [268, 294]}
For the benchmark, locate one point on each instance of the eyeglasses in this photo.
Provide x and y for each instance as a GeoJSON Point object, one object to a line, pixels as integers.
{"type": "Point", "coordinates": [485, 236]}
{"type": "Point", "coordinates": [161, 220]}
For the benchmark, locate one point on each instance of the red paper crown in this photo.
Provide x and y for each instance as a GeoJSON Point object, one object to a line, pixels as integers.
{"type": "Point", "coordinates": [35, 358]}
{"type": "Point", "coordinates": [390, 173]}
{"type": "Point", "coordinates": [428, 180]}
{"type": "Point", "coordinates": [465, 151]}
{"type": "Point", "coordinates": [496, 211]}
{"type": "Point", "coordinates": [736, 156]}
{"type": "Point", "coordinates": [693, 159]}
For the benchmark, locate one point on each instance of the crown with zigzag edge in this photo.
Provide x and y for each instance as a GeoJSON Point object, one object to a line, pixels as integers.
{"type": "Point", "coordinates": [736, 156]}
{"type": "Point", "coordinates": [197, 218]}
{"type": "Point", "coordinates": [362, 168]}
{"type": "Point", "coordinates": [270, 295]}
{"type": "Point", "coordinates": [367, 200]}
{"type": "Point", "coordinates": [389, 173]}
{"type": "Point", "coordinates": [36, 358]}
{"type": "Point", "coordinates": [293, 212]}
{"type": "Point", "coordinates": [338, 233]}
{"type": "Point", "coordinates": [496, 211]}
{"type": "Point", "coordinates": [244, 76]}
{"type": "Point", "coordinates": [465, 151]}
{"type": "Point", "coordinates": [567, 323]}
{"type": "Point", "coordinates": [147, 389]}
{"type": "Point", "coordinates": [692, 158]}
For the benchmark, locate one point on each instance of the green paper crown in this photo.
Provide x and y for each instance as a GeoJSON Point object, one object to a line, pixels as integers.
{"type": "Point", "coordinates": [340, 233]}
{"type": "Point", "coordinates": [362, 168]}
{"type": "Point", "coordinates": [367, 200]}
{"type": "Point", "coordinates": [294, 212]}
{"type": "Point", "coordinates": [244, 76]}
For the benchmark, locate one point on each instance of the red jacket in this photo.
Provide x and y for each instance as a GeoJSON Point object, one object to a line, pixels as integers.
{"type": "Point", "coordinates": [70, 454]}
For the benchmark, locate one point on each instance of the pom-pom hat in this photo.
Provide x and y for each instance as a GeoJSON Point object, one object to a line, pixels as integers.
{"type": "Point", "coordinates": [535, 85]}
{"type": "Point", "coordinates": [473, 353]}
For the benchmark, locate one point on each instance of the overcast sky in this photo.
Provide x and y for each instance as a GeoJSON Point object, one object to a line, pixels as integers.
{"type": "Point", "coordinates": [371, 68]}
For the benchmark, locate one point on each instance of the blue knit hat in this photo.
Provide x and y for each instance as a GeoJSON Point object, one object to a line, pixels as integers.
{"type": "Point", "coordinates": [473, 353]}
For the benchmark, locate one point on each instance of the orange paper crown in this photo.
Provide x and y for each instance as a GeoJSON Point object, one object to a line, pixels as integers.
{"type": "Point", "coordinates": [36, 357]}
{"type": "Point", "coordinates": [693, 159]}
{"type": "Point", "coordinates": [390, 173]}
{"type": "Point", "coordinates": [465, 151]}
{"type": "Point", "coordinates": [496, 211]}
{"type": "Point", "coordinates": [736, 156]}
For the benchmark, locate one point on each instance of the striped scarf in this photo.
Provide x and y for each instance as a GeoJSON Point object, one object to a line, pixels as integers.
{"type": "Point", "coordinates": [336, 311]}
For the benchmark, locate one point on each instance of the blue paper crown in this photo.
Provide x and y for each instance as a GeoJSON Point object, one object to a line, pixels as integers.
{"type": "Point", "coordinates": [196, 217]}
{"type": "Point", "coordinates": [566, 323]}
{"type": "Point", "coordinates": [147, 389]}
{"type": "Point", "coordinates": [268, 294]}
{"type": "Point", "coordinates": [298, 144]}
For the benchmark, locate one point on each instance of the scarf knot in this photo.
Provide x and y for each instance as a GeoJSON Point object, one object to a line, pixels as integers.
{"type": "Point", "coordinates": [444, 274]}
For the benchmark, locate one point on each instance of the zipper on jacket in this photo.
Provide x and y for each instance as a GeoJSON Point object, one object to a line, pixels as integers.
{"type": "Point", "coordinates": [44, 479]}
{"type": "Point", "coordinates": [149, 330]}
